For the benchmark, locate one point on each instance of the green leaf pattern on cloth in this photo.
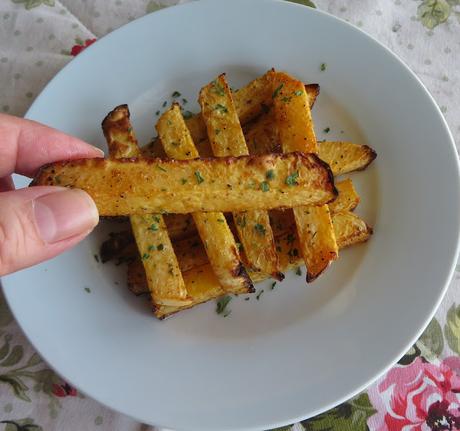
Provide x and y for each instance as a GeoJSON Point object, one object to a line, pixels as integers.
{"type": "Point", "coordinates": [153, 6]}
{"type": "Point", "coordinates": [26, 424]}
{"type": "Point", "coordinates": [431, 343]}
{"type": "Point", "coordinates": [304, 2]}
{"type": "Point", "coordinates": [20, 377]}
{"type": "Point", "coordinates": [30, 4]}
{"type": "Point", "coordinates": [452, 328]}
{"type": "Point", "coordinates": [349, 416]}
{"type": "Point", "coordinates": [434, 12]}
{"type": "Point", "coordinates": [23, 378]}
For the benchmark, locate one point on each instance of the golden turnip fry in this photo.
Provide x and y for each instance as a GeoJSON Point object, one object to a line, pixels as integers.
{"type": "Point", "coordinates": [219, 243]}
{"type": "Point", "coordinates": [190, 253]}
{"type": "Point", "coordinates": [281, 222]}
{"type": "Point", "coordinates": [164, 278]}
{"type": "Point", "coordinates": [202, 285]}
{"type": "Point", "coordinates": [140, 186]}
{"type": "Point", "coordinates": [160, 262]}
{"type": "Point", "coordinates": [312, 92]}
{"type": "Point", "coordinates": [249, 103]}
{"type": "Point", "coordinates": [219, 114]}
{"type": "Point", "coordinates": [227, 139]}
{"type": "Point", "coordinates": [295, 129]}
{"type": "Point", "coordinates": [201, 282]}
{"type": "Point", "coordinates": [318, 243]}
{"type": "Point", "coordinates": [204, 146]}
{"type": "Point", "coordinates": [292, 115]}
{"type": "Point", "coordinates": [347, 199]}
{"type": "Point", "coordinates": [119, 134]}
{"type": "Point", "coordinates": [261, 138]}
{"type": "Point", "coordinates": [345, 157]}
{"type": "Point", "coordinates": [349, 229]}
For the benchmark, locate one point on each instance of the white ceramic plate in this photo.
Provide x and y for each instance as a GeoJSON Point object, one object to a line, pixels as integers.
{"type": "Point", "coordinates": [300, 349]}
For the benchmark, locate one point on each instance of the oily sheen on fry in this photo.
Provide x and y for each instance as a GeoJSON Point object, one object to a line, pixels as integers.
{"type": "Point", "coordinates": [139, 186]}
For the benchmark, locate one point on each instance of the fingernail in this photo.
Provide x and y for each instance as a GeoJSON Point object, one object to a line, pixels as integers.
{"type": "Point", "coordinates": [101, 152]}
{"type": "Point", "coordinates": [64, 213]}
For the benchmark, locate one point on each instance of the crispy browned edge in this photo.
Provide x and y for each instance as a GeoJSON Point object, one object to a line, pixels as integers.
{"type": "Point", "coordinates": [115, 123]}
{"type": "Point", "coordinates": [370, 231]}
{"type": "Point", "coordinates": [372, 156]}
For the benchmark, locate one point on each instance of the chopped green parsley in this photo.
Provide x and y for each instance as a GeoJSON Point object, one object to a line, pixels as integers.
{"type": "Point", "coordinates": [260, 229]}
{"type": "Point", "coordinates": [199, 178]}
{"type": "Point", "coordinates": [222, 303]}
{"type": "Point", "coordinates": [221, 108]}
{"type": "Point", "coordinates": [153, 227]}
{"type": "Point", "coordinates": [270, 174]}
{"type": "Point", "coordinates": [264, 186]}
{"type": "Point", "coordinates": [277, 90]}
{"type": "Point", "coordinates": [218, 88]}
{"type": "Point", "coordinates": [291, 180]}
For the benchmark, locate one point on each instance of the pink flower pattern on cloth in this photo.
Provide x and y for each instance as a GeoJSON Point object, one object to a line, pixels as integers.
{"type": "Point", "coordinates": [418, 397]}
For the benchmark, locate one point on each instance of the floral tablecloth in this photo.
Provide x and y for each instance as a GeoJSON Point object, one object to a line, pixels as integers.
{"type": "Point", "coordinates": [421, 392]}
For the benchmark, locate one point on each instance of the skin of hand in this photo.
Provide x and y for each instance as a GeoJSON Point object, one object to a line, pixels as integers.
{"type": "Point", "coordinates": [38, 223]}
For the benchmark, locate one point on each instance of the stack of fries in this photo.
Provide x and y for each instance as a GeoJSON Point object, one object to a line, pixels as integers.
{"type": "Point", "coordinates": [252, 154]}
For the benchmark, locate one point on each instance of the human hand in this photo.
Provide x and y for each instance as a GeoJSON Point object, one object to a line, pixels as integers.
{"type": "Point", "coordinates": [38, 223]}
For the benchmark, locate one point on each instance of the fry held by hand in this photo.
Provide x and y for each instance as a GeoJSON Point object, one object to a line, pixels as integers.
{"type": "Point", "coordinates": [139, 186]}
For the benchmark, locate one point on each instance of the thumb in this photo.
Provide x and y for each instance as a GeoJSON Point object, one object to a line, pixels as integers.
{"type": "Point", "coordinates": [38, 223]}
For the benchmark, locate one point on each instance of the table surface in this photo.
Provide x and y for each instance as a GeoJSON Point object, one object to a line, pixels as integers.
{"type": "Point", "coordinates": [421, 392]}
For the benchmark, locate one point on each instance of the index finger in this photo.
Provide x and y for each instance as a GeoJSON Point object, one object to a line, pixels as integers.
{"type": "Point", "coordinates": [26, 145]}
